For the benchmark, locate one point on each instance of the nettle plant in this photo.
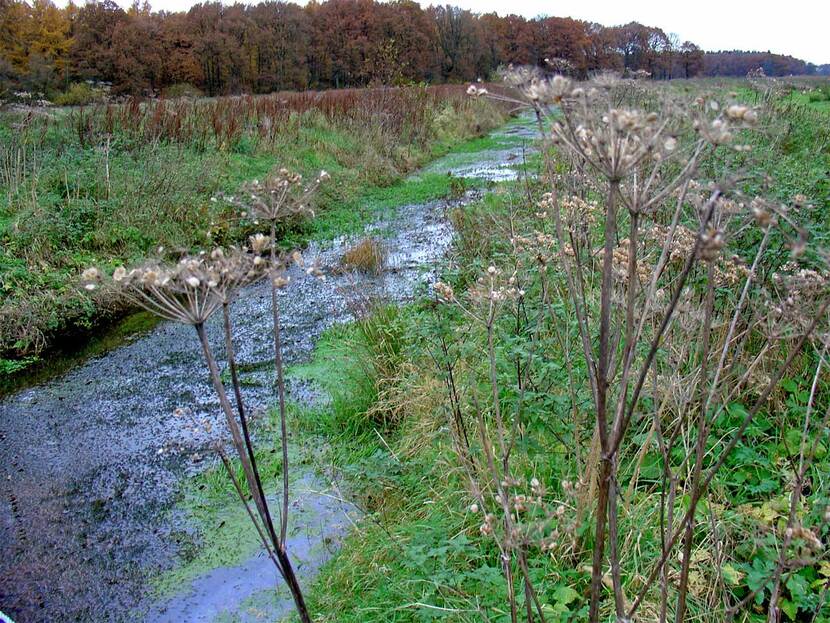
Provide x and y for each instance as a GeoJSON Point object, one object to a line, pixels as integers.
{"type": "Point", "coordinates": [686, 321]}
{"type": "Point", "coordinates": [198, 286]}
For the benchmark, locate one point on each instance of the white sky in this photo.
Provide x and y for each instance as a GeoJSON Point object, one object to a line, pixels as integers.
{"type": "Point", "coordinates": [800, 28]}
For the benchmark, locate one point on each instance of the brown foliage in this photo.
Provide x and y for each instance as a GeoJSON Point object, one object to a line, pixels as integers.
{"type": "Point", "coordinates": [280, 46]}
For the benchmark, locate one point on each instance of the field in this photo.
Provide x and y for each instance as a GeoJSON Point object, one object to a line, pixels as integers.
{"type": "Point", "coordinates": [609, 400]}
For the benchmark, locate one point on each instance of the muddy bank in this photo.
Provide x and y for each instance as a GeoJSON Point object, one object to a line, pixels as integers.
{"type": "Point", "coordinates": [90, 462]}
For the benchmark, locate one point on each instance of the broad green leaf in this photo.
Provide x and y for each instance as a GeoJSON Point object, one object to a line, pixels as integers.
{"type": "Point", "coordinates": [565, 594]}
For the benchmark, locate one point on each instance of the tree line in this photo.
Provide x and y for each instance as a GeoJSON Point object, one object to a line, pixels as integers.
{"type": "Point", "coordinates": [740, 63]}
{"type": "Point", "coordinates": [273, 46]}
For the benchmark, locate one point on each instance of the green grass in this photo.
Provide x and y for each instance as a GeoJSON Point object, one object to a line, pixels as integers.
{"type": "Point", "coordinates": [418, 555]}
{"type": "Point", "coordinates": [790, 156]}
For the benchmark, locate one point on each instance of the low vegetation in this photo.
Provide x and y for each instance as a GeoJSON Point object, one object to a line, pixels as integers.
{"type": "Point", "coordinates": [107, 184]}
{"type": "Point", "coordinates": [494, 493]}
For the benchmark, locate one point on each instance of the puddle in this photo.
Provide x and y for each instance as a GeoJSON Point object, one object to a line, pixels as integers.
{"type": "Point", "coordinates": [502, 163]}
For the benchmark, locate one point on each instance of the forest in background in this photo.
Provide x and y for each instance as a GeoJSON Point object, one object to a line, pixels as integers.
{"type": "Point", "coordinates": [65, 53]}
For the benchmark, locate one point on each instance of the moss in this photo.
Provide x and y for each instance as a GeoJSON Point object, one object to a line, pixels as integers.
{"type": "Point", "coordinates": [224, 535]}
{"type": "Point", "coordinates": [226, 538]}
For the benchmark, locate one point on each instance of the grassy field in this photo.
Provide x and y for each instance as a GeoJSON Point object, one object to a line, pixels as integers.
{"type": "Point", "coordinates": [108, 185]}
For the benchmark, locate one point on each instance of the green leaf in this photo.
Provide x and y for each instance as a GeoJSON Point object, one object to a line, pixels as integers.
{"type": "Point", "coordinates": [789, 385]}
{"type": "Point", "coordinates": [565, 594]}
{"type": "Point", "coordinates": [789, 608]}
{"type": "Point", "coordinates": [731, 575]}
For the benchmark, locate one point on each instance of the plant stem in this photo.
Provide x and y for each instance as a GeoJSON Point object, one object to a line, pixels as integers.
{"type": "Point", "coordinates": [605, 471]}
{"type": "Point", "coordinates": [275, 307]}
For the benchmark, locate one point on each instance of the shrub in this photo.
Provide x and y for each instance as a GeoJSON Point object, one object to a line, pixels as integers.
{"type": "Point", "coordinates": [181, 89]}
{"type": "Point", "coordinates": [817, 95]}
{"type": "Point", "coordinates": [79, 94]}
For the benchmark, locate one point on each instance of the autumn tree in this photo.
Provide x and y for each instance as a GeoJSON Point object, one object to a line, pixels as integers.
{"type": "Point", "coordinates": [691, 59]}
{"type": "Point", "coordinates": [34, 42]}
{"type": "Point", "coordinates": [281, 46]}
{"type": "Point", "coordinates": [459, 42]}
{"type": "Point", "coordinates": [180, 65]}
{"type": "Point", "coordinates": [137, 52]}
{"type": "Point", "coordinates": [13, 17]}
{"type": "Point", "coordinates": [277, 45]}
{"type": "Point", "coordinates": [412, 52]}
{"type": "Point", "coordinates": [91, 53]}
{"type": "Point", "coordinates": [564, 38]}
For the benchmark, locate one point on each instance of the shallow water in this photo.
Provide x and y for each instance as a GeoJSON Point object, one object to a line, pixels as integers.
{"type": "Point", "coordinates": [91, 461]}
{"type": "Point", "coordinates": [246, 592]}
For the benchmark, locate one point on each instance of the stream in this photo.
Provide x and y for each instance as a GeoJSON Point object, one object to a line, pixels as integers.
{"type": "Point", "coordinates": [92, 461]}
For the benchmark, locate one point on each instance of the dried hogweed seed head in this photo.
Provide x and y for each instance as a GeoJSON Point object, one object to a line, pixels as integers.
{"type": "Point", "coordinates": [282, 195]}
{"type": "Point", "coordinates": [443, 291]}
{"type": "Point", "coordinates": [189, 291]}
{"type": "Point", "coordinates": [259, 243]}
{"type": "Point", "coordinates": [91, 276]}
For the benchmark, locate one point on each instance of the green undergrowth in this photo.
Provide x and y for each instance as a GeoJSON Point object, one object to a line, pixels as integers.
{"type": "Point", "coordinates": [417, 554]}
{"type": "Point", "coordinates": [790, 156]}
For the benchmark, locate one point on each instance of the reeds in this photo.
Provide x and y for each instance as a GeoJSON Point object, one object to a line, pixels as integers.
{"type": "Point", "coordinates": [368, 255]}
{"type": "Point", "coordinates": [402, 112]}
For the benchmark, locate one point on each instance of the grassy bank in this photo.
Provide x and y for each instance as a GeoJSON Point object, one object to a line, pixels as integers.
{"type": "Point", "coordinates": [109, 185]}
{"type": "Point", "coordinates": [420, 554]}
{"type": "Point", "coordinates": [423, 552]}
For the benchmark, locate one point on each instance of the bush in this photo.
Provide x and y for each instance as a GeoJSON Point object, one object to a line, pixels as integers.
{"type": "Point", "coordinates": [79, 94]}
{"type": "Point", "coordinates": [182, 89]}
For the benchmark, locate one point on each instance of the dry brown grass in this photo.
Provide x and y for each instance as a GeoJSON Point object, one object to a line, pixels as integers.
{"type": "Point", "coordinates": [368, 256]}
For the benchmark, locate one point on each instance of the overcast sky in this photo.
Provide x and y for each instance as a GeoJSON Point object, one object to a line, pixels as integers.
{"type": "Point", "coordinates": [797, 27]}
